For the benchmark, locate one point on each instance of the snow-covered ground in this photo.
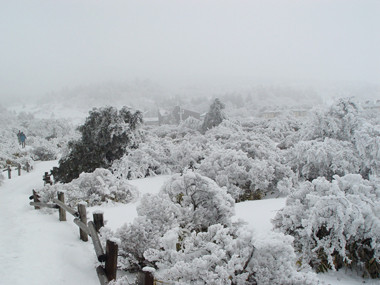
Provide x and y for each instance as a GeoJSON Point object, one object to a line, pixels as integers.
{"type": "Point", "coordinates": [38, 249]}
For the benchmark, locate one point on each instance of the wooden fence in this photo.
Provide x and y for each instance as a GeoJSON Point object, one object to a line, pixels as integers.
{"type": "Point", "coordinates": [18, 168]}
{"type": "Point", "coordinates": [105, 273]}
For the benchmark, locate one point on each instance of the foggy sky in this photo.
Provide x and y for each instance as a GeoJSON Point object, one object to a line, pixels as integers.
{"type": "Point", "coordinates": [51, 44]}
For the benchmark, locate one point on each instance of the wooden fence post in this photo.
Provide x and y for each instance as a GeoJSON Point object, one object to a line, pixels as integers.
{"type": "Point", "coordinates": [145, 278]}
{"type": "Point", "coordinates": [111, 259]}
{"type": "Point", "coordinates": [19, 170]}
{"type": "Point", "coordinates": [62, 212]}
{"type": "Point", "coordinates": [98, 220]}
{"type": "Point", "coordinates": [83, 217]}
{"type": "Point", "coordinates": [36, 198]}
{"type": "Point", "coordinates": [9, 172]}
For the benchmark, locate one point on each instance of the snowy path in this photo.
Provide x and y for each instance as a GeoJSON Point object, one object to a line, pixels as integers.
{"type": "Point", "coordinates": [35, 247]}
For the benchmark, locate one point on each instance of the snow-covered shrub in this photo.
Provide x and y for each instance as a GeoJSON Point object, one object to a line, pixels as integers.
{"type": "Point", "coordinates": [312, 159]}
{"type": "Point", "coordinates": [156, 215]}
{"type": "Point", "coordinates": [256, 146]}
{"type": "Point", "coordinates": [201, 201]}
{"type": "Point", "coordinates": [189, 202]}
{"type": "Point", "coordinates": [186, 233]}
{"type": "Point", "coordinates": [336, 141]}
{"type": "Point", "coordinates": [339, 122]}
{"type": "Point", "coordinates": [158, 156]}
{"type": "Point", "coordinates": [279, 129]}
{"type": "Point", "coordinates": [227, 255]}
{"type": "Point", "coordinates": [265, 166]}
{"type": "Point", "coordinates": [367, 143]}
{"type": "Point", "coordinates": [44, 152]}
{"type": "Point", "coordinates": [335, 223]}
{"type": "Point", "coordinates": [1, 178]}
{"type": "Point", "coordinates": [244, 177]}
{"type": "Point", "coordinates": [94, 188]}
{"type": "Point", "coordinates": [227, 129]}
{"type": "Point", "coordinates": [140, 163]}
{"type": "Point", "coordinates": [185, 154]}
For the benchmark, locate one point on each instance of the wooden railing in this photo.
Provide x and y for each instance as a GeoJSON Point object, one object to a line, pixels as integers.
{"type": "Point", "coordinates": [105, 273]}
{"type": "Point", "coordinates": [18, 168]}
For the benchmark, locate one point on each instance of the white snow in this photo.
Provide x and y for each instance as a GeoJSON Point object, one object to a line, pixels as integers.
{"type": "Point", "coordinates": [35, 247]}
{"type": "Point", "coordinates": [38, 249]}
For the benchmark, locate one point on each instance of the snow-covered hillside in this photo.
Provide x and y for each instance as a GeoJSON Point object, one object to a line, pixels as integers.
{"type": "Point", "coordinates": [38, 249]}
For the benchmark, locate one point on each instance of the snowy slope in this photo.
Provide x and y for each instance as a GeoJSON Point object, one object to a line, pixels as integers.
{"type": "Point", "coordinates": [38, 249]}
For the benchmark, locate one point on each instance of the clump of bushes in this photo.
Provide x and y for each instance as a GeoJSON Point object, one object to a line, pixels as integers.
{"type": "Point", "coordinates": [95, 188]}
{"type": "Point", "coordinates": [186, 233]}
{"type": "Point", "coordinates": [335, 224]}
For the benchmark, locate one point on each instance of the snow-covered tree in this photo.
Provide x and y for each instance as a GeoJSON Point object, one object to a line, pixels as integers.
{"type": "Point", "coordinates": [156, 215]}
{"type": "Point", "coordinates": [243, 176]}
{"type": "Point", "coordinates": [214, 116]}
{"type": "Point", "coordinates": [201, 200]}
{"type": "Point", "coordinates": [105, 136]}
{"type": "Point", "coordinates": [367, 144]}
{"type": "Point", "coordinates": [312, 159]}
{"type": "Point", "coordinates": [157, 156]}
{"type": "Point", "coordinates": [190, 202]}
{"type": "Point", "coordinates": [335, 224]}
{"type": "Point", "coordinates": [339, 122]}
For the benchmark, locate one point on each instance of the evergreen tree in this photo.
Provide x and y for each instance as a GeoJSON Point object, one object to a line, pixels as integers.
{"type": "Point", "coordinates": [214, 116]}
{"type": "Point", "coordinates": [106, 135]}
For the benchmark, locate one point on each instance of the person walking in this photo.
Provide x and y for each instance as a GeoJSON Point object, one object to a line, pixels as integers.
{"type": "Point", "coordinates": [19, 137]}
{"type": "Point", "coordinates": [22, 139]}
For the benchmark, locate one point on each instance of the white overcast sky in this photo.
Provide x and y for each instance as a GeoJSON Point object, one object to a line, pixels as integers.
{"type": "Point", "coordinates": [47, 45]}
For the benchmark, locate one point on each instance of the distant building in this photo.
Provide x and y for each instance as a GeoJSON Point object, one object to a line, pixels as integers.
{"type": "Point", "coordinates": [270, 114]}
{"type": "Point", "coordinates": [300, 113]}
{"type": "Point", "coordinates": [164, 117]}
{"type": "Point", "coordinates": [181, 114]}
{"type": "Point", "coordinates": [151, 121]}
{"type": "Point", "coordinates": [372, 105]}
{"type": "Point", "coordinates": [176, 115]}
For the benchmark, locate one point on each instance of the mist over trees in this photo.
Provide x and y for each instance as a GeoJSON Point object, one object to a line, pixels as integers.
{"type": "Point", "coordinates": [147, 96]}
{"type": "Point", "coordinates": [325, 160]}
{"type": "Point", "coordinates": [246, 100]}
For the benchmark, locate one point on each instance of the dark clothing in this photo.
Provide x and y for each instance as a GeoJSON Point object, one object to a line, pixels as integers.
{"type": "Point", "coordinates": [22, 139]}
{"type": "Point", "coordinates": [19, 137]}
